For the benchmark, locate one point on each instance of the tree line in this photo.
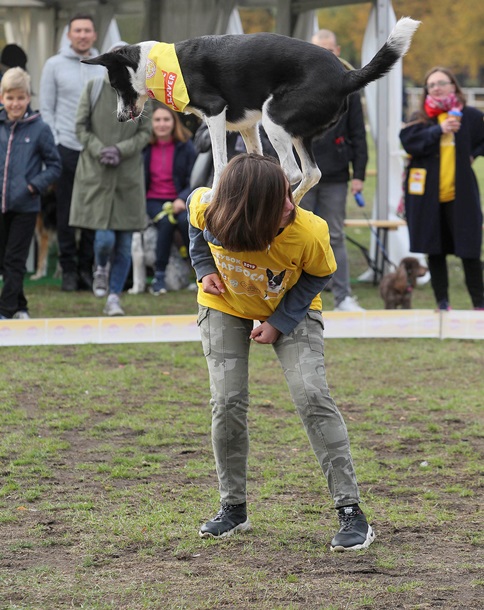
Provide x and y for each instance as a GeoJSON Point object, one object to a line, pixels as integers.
{"type": "Point", "coordinates": [451, 35]}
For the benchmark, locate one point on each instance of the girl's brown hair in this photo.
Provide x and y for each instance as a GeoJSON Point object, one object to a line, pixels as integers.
{"type": "Point", "coordinates": [180, 133]}
{"type": "Point", "coordinates": [246, 210]}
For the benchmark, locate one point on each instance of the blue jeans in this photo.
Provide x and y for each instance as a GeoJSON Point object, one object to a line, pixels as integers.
{"type": "Point", "coordinates": [166, 230]}
{"type": "Point", "coordinates": [226, 344]}
{"type": "Point", "coordinates": [328, 200]}
{"type": "Point", "coordinates": [114, 247]}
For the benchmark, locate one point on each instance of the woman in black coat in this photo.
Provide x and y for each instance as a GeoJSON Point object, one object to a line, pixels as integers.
{"type": "Point", "coordinates": [442, 201]}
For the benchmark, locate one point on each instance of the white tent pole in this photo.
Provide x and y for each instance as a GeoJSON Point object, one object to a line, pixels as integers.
{"type": "Point", "coordinates": [382, 19]}
{"type": "Point", "coordinates": [384, 107]}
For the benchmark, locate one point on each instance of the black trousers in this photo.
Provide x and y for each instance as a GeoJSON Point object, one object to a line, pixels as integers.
{"type": "Point", "coordinates": [440, 280]}
{"type": "Point", "coordinates": [18, 233]}
{"type": "Point", "coordinates": [437, 263]}
{"type": "Point", "coordinates": [71, 256]}
{"type": "Point", "coordinates": [3, 240]}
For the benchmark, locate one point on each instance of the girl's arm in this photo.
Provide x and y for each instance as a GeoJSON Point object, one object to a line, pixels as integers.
{"type": "Point", "coordinates": [200, 253]}
{"type": "Point", "coordinates": [295, 303]}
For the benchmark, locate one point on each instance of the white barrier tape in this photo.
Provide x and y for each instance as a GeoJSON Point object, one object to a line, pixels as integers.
{"type": "Point", "coordinates": [409, 324]}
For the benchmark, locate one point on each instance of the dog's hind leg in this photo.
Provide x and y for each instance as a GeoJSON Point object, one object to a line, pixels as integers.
{"type": "Point", "coordinates": [282, 143]}
{"type": "Point", "coordinates": [310, 171]}
{"type": "Point", "coordinates": [217, 129]}
{"type": "Point", "coordinates": [251, 139]}
{"type": "Point", "coordinates": [138, 262]}
{"type": "Point", "coordinates": [43, 242]}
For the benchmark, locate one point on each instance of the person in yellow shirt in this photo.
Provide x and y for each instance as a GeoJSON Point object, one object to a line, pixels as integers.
{"type": "Point", "coordinates": [442, 200]}
{"type": "Point", "coordinates": [259, 258]}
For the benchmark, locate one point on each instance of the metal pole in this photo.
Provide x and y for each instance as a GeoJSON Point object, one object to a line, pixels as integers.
{"type": "Point", "coordinates": [382, 191]}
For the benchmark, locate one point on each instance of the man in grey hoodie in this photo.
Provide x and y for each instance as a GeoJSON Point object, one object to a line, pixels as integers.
{"type": "Point", "coordinates": [61, 84]}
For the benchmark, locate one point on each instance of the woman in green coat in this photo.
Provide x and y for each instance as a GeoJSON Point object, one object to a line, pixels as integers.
{"type": "Point", "coordinates": [109, 190]}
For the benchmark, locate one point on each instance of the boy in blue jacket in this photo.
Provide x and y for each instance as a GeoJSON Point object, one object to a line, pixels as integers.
{"type": "Point", "coordinates": [30, 163]}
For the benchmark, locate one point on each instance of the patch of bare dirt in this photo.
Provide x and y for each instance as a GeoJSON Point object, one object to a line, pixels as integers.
{"type": "Point", "coordinates": [432, 566]}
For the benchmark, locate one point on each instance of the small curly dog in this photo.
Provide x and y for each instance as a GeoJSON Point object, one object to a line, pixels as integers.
{"type": "Point", "coordinates": [396, 288]}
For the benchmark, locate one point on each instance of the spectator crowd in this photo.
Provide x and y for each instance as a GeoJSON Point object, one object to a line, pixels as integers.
{"type": "Point", "coordinates": [114, 180]}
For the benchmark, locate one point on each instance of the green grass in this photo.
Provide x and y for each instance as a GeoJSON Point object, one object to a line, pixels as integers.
{"type": "Point", "coordinates": [107, 472]}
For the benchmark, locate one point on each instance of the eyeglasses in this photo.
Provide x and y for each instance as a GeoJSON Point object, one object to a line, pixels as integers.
{"type": "Point", "coordinates": [439, 83]}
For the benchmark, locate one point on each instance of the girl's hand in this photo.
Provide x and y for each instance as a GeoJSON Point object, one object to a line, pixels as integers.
{"type": "Point", "coordinates": [265, 333]}
{"type": "Point", "coordinates": [179, 206]}
{"type": "Point", "coordinates": [450, 125]}
{"type": "Point", "coordinates": [212, 284]}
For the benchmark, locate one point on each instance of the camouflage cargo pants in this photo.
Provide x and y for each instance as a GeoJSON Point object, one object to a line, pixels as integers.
{"type": "Point", "coordinates": [226, 343]}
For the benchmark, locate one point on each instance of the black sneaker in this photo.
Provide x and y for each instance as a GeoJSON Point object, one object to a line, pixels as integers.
{"type": "Point", "coordinates": [85, 280]}
{"type": "Point", "coordinates": [228, 520]}
{"type": "Point", "coordinates": [355, 533]}
{"type": "Point", "coordinates": [158, 285]}
{"type": "Point", "coordinates": [443, 305]}
{"type": "Point", "coordinates": [70, 282]}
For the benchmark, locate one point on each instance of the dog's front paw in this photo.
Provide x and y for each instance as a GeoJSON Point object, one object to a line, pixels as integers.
{"type": "Point", "coordinates": [207, 196]}
{"type": "Point", "coordinates": [136, 290]}
{"type": "Point", "coordinates": [38, 275]}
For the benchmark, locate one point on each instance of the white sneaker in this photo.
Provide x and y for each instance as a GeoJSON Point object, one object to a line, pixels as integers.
{"type": "Point", "coordinates": [100, 281]}
{"type": "Point", "coordinates": [348, 304]}
{"type": "Point", "coordinates": [21, 315]}
{"type": "Point", "coordinates": [113, 306]}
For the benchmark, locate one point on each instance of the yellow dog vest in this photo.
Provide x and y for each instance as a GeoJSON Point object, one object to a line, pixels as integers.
{"type": "Point", "coordinates": [164, 78]}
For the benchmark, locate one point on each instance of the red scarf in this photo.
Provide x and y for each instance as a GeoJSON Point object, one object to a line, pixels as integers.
{"type": "Point", "coordinates": [435, 107]}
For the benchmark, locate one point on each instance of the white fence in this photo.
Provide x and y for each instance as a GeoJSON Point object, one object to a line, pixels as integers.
{"type": "Point", "coordinates": [474, 96]}
{"type": "Point", "coordinates": [398, 323]}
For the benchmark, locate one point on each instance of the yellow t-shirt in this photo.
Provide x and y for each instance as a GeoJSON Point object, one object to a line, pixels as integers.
{"type": "Point", "coordinates": [255, 282]}
{"type": "Point", "coordinates": [164, 78]}
{"type": "Point", "coordinates": [447, 164]}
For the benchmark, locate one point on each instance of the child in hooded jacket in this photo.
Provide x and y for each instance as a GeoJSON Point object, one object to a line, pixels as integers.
{"type": "Point", "coordinates": [30, 163]}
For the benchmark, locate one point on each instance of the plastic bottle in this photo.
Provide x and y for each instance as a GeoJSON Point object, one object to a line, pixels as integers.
{"type": "Point", "coordinates": [455, 112]}
{"type": "Point", "coordinates": [359, 200]}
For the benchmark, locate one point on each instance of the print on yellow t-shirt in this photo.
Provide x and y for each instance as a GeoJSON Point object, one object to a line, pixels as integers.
{"type": "Point", "coordinates": [447, 164]}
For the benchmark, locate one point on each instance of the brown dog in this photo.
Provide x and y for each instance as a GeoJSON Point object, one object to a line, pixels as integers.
{"type": "Point", "coordinates": [45, 232]}
{"type": "Point", "coordinates": [396, 288]}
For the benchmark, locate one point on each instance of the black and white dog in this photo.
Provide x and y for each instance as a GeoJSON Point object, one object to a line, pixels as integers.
{"type": "Point", "coordinates": [295, 88]}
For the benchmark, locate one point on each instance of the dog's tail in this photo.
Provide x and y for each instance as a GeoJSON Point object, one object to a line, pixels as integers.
{"type": "Point", "coordinates": [395, 47]}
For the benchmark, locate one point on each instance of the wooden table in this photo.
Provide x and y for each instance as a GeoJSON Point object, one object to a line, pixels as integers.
{"type": "Point", "coordinates": [380, 228]}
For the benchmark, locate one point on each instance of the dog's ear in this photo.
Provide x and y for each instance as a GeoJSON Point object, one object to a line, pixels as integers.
{"type": "Point", "coordinates": [400, 283]}
{"type": "Point", "coordinates": [106, 60]}
{"type": "Point", "coordinates": [128, 55]}
{"type": "Point", "coordinates": [415, 268]}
